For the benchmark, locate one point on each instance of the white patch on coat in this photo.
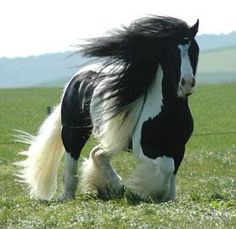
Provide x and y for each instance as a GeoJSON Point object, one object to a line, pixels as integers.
{"type": "Point", "coordinates": [186, 71]}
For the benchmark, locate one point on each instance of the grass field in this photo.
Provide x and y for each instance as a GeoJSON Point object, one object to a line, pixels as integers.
{"type": "Point", "coordinates": [206, 182]}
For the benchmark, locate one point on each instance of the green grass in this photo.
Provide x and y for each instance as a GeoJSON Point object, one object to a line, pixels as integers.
{"type": "Point", "coordinates": [214, 111]}
{"type": "Point", "coordinates": [206, 182]}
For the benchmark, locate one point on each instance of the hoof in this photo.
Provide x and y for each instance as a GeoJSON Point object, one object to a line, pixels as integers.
{"type": "Point", "coordinates": [110, 193]}
{"type": "Point", "coordinates": [132, 198]}
{"type": "Point", "coordinates": [64, 198]}
{"type": "Point", "coordinates": [104, 193]}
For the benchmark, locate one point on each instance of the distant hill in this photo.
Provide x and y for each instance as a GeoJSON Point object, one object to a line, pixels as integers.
{"type": "Point", "coordinates": [36, 70]}
{"type": "Point", "coordinates": [213, 41]}
{"type": "Point", "coordinates": [217, 64]}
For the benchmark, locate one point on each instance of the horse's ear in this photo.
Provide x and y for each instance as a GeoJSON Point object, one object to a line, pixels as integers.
{"type": "Point", "coordinates": [194, 29]}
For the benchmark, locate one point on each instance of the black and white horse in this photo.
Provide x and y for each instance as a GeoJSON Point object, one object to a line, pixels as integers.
{"type": "Point", "coordinates": [136, 98]}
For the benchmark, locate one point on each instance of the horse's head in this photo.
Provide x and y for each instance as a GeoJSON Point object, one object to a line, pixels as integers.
{"type": "Point", "coordinates": [135, 52]}
{"type": "Point", "coordinates": [180, 63]}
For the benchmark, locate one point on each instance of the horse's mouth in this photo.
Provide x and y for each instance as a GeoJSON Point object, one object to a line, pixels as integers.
{"type": "Point", "coordinates": [183, 93]}
{"type": "Point", "coordinates": [188, 94]}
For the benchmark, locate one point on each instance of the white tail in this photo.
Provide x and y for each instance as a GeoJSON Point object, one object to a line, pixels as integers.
{"type": "Point", "coordinates": [40, 167]}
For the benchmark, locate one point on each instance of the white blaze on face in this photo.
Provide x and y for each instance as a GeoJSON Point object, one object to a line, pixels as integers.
{"type": "Point", "coordinates": [186, 82]}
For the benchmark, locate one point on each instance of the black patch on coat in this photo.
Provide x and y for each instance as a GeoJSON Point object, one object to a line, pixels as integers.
{"type": "Point", "coordinates": [168, 132]}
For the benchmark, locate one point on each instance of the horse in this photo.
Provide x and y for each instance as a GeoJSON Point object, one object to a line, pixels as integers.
{"type": "Point", "coordinates": [134, 99]}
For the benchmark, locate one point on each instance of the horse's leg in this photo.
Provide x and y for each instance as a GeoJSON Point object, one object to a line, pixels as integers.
{"type": "Point", "coordinates": [70, 177]}
{"type": "Point", "coordinates": [76, 125]}
{"type": "Point", "coordinates": [172, 190]}
{"type": "Point", "coordinates": [152, 179]}
{"type": "Point", "coordinates": [74, 139]}
{"type": "Point", "coordinates": [98, 176]}
{"type": "Point", "coordinates": [178, 157]}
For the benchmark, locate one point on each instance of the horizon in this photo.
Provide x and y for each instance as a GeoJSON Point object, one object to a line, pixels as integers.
{"type": "Point", "coordinates": [33, 28]}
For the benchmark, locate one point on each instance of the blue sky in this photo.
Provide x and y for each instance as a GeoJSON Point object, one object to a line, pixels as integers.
{"type": "Point", "coordinates": [34, 27]}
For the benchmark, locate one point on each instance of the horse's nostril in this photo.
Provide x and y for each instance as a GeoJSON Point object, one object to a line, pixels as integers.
{"type": "Point", "coordinates": [193, 82]}
{"type": "Point", "coordinates": [183, 81]}
{"type": "Point", "coordinates": [188, 82]}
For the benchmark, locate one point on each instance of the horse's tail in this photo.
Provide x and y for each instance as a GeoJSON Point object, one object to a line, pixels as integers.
{"type": "Point", "coordinates": [39, 169]}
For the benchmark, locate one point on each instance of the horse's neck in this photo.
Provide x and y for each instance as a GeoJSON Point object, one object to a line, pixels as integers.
{"type": "Point", "coordinates": [171, 101]}
{"type": "Point", "coordinates": [154, 96]}
{"type": "Point", "coordinates": [158, 99]}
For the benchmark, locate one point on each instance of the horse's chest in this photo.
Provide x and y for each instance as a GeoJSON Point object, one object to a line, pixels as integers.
{"type": "Point", "coordinates": [161, 132]}
{"type": "Point", "coordinates": [166, 134]}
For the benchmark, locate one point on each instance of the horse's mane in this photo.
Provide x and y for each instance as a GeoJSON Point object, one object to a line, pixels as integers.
{"type": "Point", "coordinates": [134, 52]}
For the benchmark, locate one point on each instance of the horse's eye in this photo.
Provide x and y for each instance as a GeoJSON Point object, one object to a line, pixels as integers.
{"type": "Point", "coordinates": [184, 41]}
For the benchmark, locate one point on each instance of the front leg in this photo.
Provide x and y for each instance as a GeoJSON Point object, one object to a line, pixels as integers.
{"type": "Point", "coordinates": [172, 193]}
{"type": "Point", "coordinates": [151, 180]}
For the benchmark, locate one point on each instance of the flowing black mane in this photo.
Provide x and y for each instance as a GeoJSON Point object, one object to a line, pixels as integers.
{"type": "Point", "coordinates": [135, 52]}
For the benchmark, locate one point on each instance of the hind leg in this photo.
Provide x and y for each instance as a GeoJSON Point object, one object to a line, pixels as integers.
{"type": "Point", "coordinates": [70, 177]}
{"type": "Point", "coordinates": [98, 176]}
{"type": "Point", "coordinates": [74, 139]}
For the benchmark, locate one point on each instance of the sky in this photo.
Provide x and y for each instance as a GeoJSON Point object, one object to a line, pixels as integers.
{"type": "Point", "coordinates": [35, 27]}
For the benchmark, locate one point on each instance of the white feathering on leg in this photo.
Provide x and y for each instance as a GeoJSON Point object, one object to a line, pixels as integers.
{"type": "Point", "coordinates": [151, 179]}
{"type": "Point", "coordinates": [98, 176]}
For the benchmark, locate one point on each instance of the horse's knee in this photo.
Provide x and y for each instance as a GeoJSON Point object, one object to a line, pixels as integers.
{"type": "Point", "coordinates": [71, 164]}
